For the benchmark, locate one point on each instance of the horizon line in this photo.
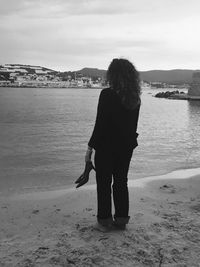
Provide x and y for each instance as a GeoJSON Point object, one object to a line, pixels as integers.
{"type": "Point", "coordinates": [188, 69]}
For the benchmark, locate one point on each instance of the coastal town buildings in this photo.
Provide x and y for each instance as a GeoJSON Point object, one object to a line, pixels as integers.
{"type": "Point", "coordinates": [17, 75]}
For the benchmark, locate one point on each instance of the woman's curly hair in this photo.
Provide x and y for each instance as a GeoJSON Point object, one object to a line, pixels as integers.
{"type": "Point", "coordinates": [124, 79]}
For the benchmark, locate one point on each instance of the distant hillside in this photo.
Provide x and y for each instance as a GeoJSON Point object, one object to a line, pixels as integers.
{"type": "Point", "coordinates": [93, 72]}
{"type": "Point", "coordinates": [168, 76]}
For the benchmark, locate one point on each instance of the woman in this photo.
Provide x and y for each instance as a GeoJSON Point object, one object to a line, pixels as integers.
{"type": "Point", "coordinates": [114, 138]}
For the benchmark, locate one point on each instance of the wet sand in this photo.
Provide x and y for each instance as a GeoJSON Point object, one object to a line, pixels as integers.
{"type": "Point", "coordinates": [58, 228]}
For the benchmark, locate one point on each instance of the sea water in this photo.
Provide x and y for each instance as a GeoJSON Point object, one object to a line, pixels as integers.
{"type": "Point", "coordinates": [44, 134]}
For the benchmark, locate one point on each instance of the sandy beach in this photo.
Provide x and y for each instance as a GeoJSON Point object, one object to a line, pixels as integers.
{"type": "Point", "coordinates": [58, 228]}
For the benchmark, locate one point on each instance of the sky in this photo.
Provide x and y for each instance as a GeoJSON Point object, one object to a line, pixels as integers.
{"type": "Point", "coordinates": [72, 34]}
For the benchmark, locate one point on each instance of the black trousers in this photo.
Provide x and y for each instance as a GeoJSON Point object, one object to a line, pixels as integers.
{"type": "Point", "coordinates": [111, 177]}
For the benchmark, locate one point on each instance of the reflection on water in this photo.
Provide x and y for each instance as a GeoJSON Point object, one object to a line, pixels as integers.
{"type": "Point", "coordinates": [44, 134]}
{"type": "Point", "coordinates": [194, 128]}
{"type": "Point", "coordinates": [194, 108]}
{"type": "Point", "coordinates": [194, 118]}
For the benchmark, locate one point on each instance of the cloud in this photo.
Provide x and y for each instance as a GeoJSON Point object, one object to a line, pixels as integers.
{"type": "Point", "coordinates": [10, 6]}
{"type": "Point", "coordinates": [61, 8]}
{"type": "Point", "coordinates": [91, 32]}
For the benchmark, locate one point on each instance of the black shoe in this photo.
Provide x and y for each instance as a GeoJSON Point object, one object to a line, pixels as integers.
{"type": "Point", "coordinates": [120, 222]}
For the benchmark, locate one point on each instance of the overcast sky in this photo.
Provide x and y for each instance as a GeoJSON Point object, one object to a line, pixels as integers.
{"type": "Point", "coordinates": [72, 34]}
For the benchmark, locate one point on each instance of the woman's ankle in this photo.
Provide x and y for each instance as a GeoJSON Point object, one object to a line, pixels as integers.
{"type": "Point", "coordinates": [121, 220]}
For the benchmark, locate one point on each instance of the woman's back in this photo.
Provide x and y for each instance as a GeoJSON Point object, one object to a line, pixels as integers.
{"type": "Point", "coordinates": [115, 124]}
{"type": "Point", "coordinates": [121, 122]}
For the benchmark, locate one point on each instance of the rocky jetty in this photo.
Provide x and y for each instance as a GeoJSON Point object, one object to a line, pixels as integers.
{"type": "Point", "coordinates": [193, 92]}
{"type": "Point", "coordinates": [172, 95]}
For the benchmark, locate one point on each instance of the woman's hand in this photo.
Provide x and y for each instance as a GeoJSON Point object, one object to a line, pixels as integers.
{"type": "Point", "coordinates": [88, 154]}
{"type": "Point", "coordinates": [83, 179]}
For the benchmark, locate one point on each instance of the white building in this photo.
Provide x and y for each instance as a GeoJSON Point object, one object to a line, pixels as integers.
{"type": "Point", "coordinates": [40, 71]}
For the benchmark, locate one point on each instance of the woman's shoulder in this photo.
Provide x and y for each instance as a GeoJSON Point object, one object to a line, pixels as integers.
{"type": "Point", "coordinates": [105, 90]}
{"type": "Point", "coordinates": [108, 92]}
{"type": "Point", "coordinates": [109, 95]}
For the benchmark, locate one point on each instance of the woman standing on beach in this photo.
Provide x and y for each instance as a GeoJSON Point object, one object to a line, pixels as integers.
{"type": "Point", "coordinates": [114, 138]}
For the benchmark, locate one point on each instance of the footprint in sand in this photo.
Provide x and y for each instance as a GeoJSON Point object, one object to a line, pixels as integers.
{"type": "Point", "coordinates": [88, 209]}
{"type": "Point", "coordinates": [169, 188]}
{"type": "Point", "coordinates": [36, 211]}
{"type": "Point", "coordinates": [196, 208]}
{"type": "Point", "coordinates": [138, 215]}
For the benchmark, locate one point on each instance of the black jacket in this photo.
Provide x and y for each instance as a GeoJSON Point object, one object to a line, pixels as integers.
{"type": "Point", "coordinates": [115, 127]}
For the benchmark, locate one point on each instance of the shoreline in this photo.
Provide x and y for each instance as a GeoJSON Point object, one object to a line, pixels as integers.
{"type": "Point", "coordinates": [132, 183]}
{"type": "Point", "coordinates": [58, 228]}
{"type": "Point", "coordinates": [53, 190]}
{"type": "Point", "coordinates": [52, 87]}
